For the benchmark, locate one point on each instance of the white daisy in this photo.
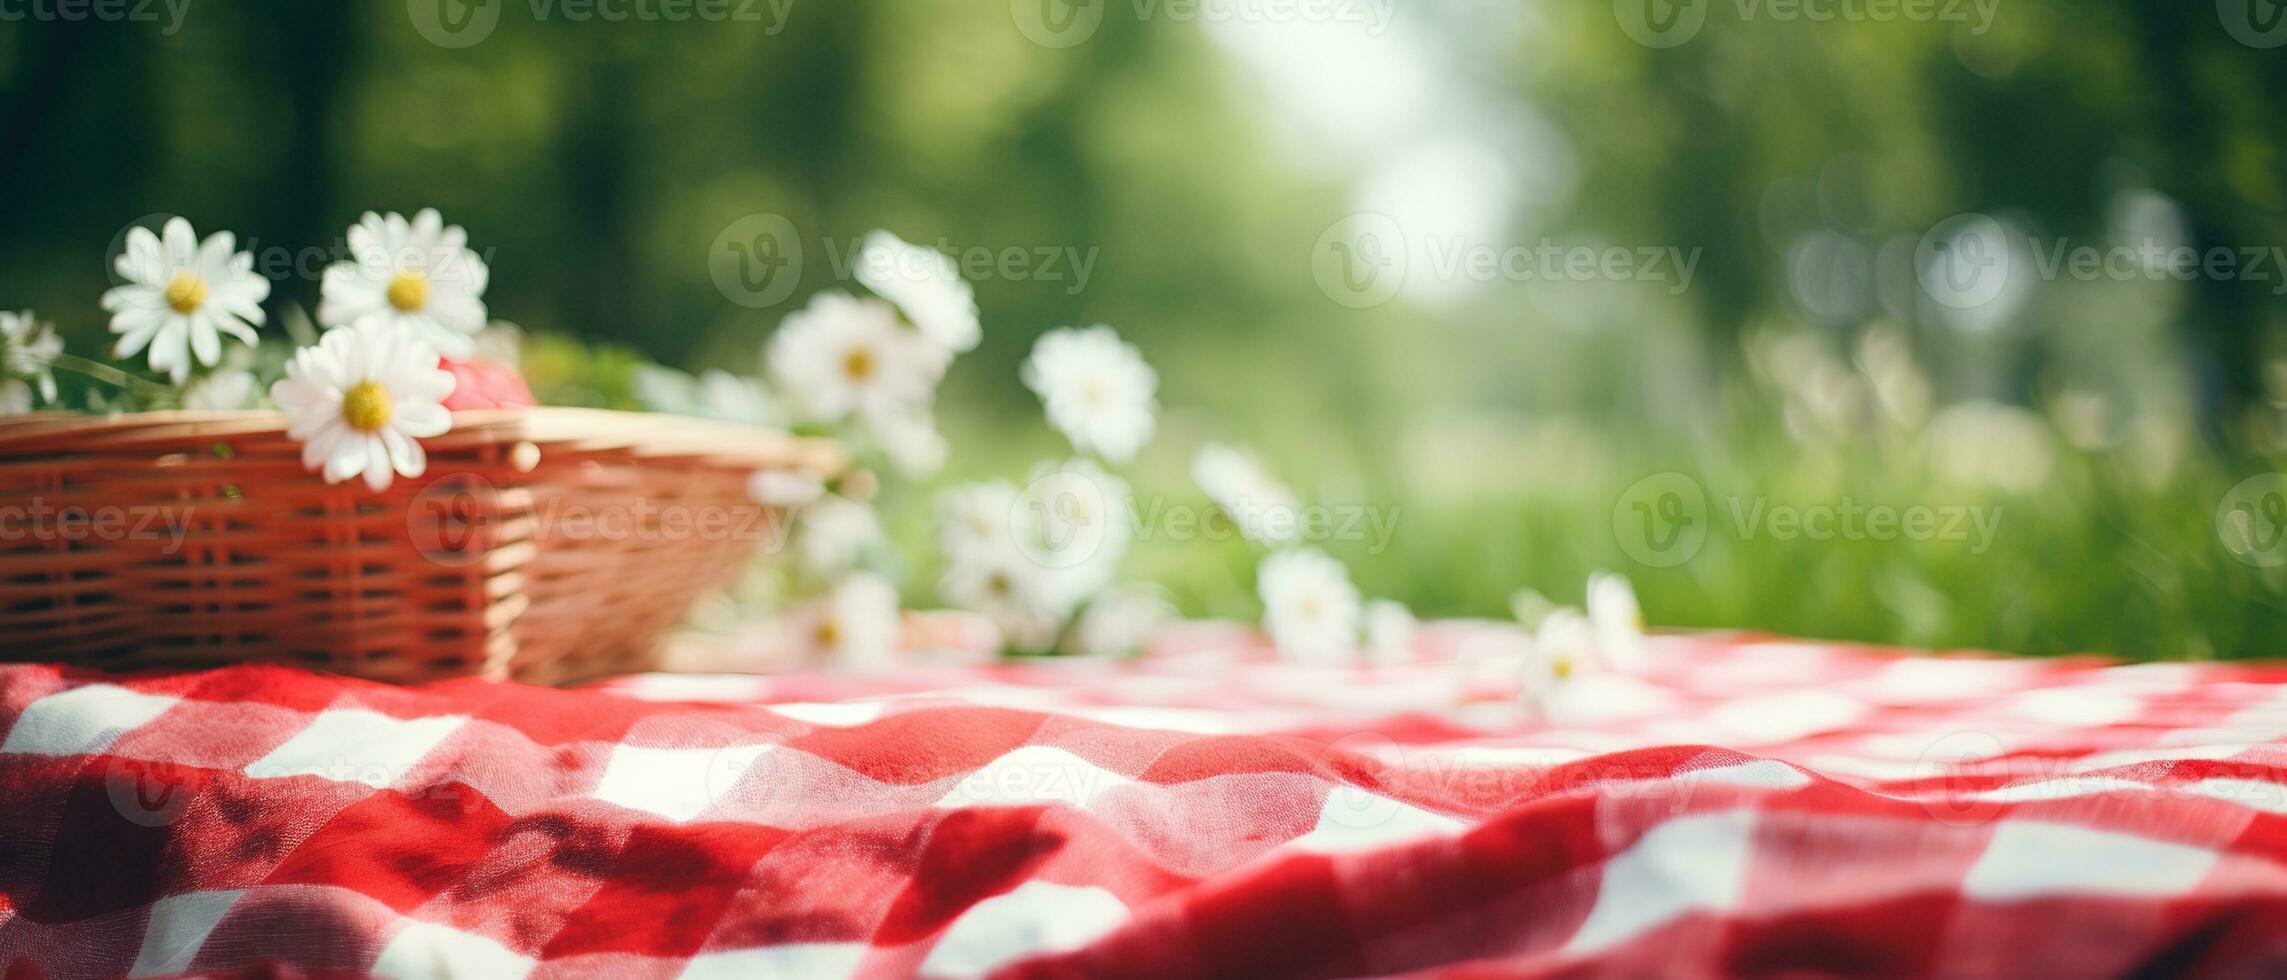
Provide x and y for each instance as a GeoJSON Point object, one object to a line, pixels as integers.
{"type": "Point", "coordinates": [1119, 622]}
{"type": "Point", "coordinates": [182, 295]}
{"type": "Point", "coordinates": [1530, 607]}
{"type": "Point", "coordinates": [1310, 609]}
{"type": "Point", "coordinates": [842, 354]}
{"type": "Point", "coordinates": [28, 350]}
{"type": "Point", "coordinates": [908, 436]}
{"type": "Point", "coordinates": [1617, 617]}
{"type": "Point", "coordinates": [1390, 630]}
{"type": "Point", "coordinates": [1564, 651]}
{"type": "Point", "coordinates": [834, 535]}
{"type": "Point", "coordinates": [1009, 589]}
{"type": "Point", "coordinates": [924, 283]}
{"type": "Point", "coordinates": [1263, 508]}
{"type": "Point", "coordinates": [1097, 388]}
{"type": "Point", "coordinates": [416, 275]}
{"type": "Point", "coordinates": [665, 390]}
{"type": "Point", "coordinates": [358, 401]}
{"type": "Point", "coordinates": [856, 625]}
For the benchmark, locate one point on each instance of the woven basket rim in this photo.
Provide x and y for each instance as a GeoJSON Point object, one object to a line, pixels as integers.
{"type": "Point", "coordinates": [645, 434]}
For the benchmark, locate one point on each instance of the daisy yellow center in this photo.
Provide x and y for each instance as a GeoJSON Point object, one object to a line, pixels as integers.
{"type": "Point", "coordinates": [829, 633]}
{"type": "Point", "coordinates": [366, 406]}
{"type": "Point", "coordinates": [186, 293]}
{"type": "Point", "coordinates": [1562, 668]}
{"type": "Point", "coordinates": [858, 364]}
{"type": "Point", "coordinates": [409, 291]}
{"type": "Point", "coordinates": [999, 584]}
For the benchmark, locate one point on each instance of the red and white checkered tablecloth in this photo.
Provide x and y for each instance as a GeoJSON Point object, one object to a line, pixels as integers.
{"type": "Point", "coordinates": [1736, 806]}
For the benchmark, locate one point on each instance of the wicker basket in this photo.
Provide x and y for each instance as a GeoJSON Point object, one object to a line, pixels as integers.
{"type": "Point", "coordinates": [546, 545]}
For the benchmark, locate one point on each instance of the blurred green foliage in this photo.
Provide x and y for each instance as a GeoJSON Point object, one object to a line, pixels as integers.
{"type": "Point", "coordinates": [598, 162]}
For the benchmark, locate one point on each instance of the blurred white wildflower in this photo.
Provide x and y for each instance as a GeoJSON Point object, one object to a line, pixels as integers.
{"type": "Point", "coordinates": [857, 624]}
{"type": "Point", "coordinates": [1079, 519]}
{"type": "Point", "coordinates": [28, 350]}
{"type": "Point", "coordinates": [924, 283]}
{"type": "Point", "coordinates": [225, 390]}
{"type": "Point", "coordinates": [418, 276]}
{"type": "Point", "coordinates": [834, 534]}
{"type": "Point", "coordinates": [726, 396]}
{"type": "Point", "coordinates": [975, 516]}
{"type": "Point", "coordinates": [1490, 662]}
{"type": "Point", "coordinates": [1530, 607]}
{"type": "Point", "coordinates": [1262, 508]}
{"type": "Point", "coordinates": [1981, 443]}
{"type": "Point", "coordinates": [1310, 608]}
{"type": "Point", "coordinates": [660, 389]}
{"type": "Point", "coordinates": [717, 394]}
{"type": "Point", "coordinates": [842, 354]}
{"type": "Point", "coordinates": [2083, 417]}
{"type": "Point", "coordinates": [1098, 391]}
{"type": "Point", "coordinates": [1119, 622]}
{"type": "Point", "coordinates": [908, 437]}
{"type": "Point", "coordinates": [1564, 651]}
{"type": "Point", "coordinates": [1011, 590]}
{"type": "Point", "coordinates": [182, 295]}
{"type": "Point", "coordinates": [1900, 387]}
{"type": "Point", "coordinates": [1618, 619]}
{"type": "Point", "coordinates": [1390, 632]}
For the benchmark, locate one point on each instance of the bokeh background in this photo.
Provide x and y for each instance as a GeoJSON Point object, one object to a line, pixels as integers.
{"type": "Point", "coordinates": [1201, 159]}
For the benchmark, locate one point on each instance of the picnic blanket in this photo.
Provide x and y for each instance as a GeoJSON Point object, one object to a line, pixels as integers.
{"type": "Point", "coordinates": [1737, 805]}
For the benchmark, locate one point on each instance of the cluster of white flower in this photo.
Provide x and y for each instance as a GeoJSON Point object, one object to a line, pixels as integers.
{"type": "Point", "coordinates": [1041, 562]}
{"type": "Point", "coordinates": [866, 370]}
{"type": "Point", "coordinates": [847, 360]}
{"type": "Point", "coordinates": [1311, 610]}
{"type": "Point", "coordinates": [359, 400]}
{"type": "Point", "coordinates": [1543, 660]}
{"type": "Point", "coordinates": [411, 295]}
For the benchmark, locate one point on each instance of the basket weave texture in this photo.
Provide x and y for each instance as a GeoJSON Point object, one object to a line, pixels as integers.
{"type": "Point", "coordinates": [548, 545]}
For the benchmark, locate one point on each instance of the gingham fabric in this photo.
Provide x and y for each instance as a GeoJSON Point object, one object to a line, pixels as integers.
{"type": "Point", "coordinates": [1736, 806]}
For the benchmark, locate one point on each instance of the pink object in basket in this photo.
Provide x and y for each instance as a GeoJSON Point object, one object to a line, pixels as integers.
{"type": "Point", "coordinates": [482, 383]}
